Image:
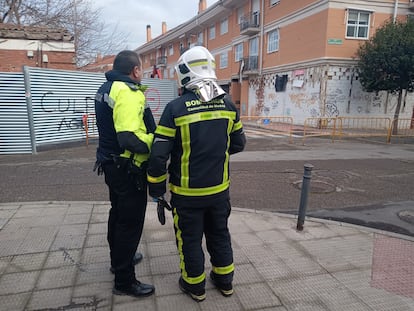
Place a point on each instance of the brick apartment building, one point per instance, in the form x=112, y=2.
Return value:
x=101, y=64
x=284, y=57
x=35, y=47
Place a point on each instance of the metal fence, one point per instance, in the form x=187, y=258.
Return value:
x=402, y=128
x=341, y=127
x=44, y=106
x=319, y=127
x=276, y=124
x=333, y=127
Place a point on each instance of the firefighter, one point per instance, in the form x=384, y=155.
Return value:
x=126, y=125
x=197, y=133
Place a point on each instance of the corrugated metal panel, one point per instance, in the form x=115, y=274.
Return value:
x=159, y=93
x=59, y=99
x=54, y=106
x=14, y=125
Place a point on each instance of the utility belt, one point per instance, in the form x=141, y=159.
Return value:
x=137, y=175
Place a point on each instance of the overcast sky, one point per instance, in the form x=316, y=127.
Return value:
x=132, y=16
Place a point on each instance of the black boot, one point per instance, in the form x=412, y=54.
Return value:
x=136, y=289
x=225, y=289
x=198, y=296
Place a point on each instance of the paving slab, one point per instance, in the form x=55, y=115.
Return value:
x=54, y=256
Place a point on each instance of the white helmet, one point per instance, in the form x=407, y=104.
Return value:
x=195, y=64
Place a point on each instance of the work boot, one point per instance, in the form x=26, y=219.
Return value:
x=226, y=289
x=185, y=288
x=136, y=260
x=136, y=289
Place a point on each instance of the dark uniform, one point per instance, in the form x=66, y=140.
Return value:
x=126, y=129
x=199, y=138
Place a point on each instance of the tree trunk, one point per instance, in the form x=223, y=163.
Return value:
x=397, y=113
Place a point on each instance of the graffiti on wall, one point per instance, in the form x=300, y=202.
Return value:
x=287, y=99
x=321, y=91
x=70, y=110
x=272, y=100
x=260, y=97
x=69, y=113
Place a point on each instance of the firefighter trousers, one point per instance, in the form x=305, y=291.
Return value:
x=125, y=222
x=190, y=224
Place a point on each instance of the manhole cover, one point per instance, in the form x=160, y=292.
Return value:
x=407, y=216
x=317, y=186
x=337, y=175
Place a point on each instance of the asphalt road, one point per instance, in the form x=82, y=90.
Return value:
x=367, y=183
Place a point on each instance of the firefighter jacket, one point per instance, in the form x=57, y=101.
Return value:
x=125, y=123
x=198, y=138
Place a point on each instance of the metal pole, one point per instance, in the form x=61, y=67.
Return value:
x=307, y=175
x=29, y=106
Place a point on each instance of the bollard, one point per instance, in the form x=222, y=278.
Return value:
x=307, y=175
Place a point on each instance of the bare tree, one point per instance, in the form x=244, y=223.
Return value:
x=91, y=35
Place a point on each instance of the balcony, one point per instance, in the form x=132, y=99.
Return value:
x=251, y=65
x=250, y=24
x=162, y=61
x=411, y=5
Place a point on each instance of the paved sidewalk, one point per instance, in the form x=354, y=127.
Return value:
x=54, y=256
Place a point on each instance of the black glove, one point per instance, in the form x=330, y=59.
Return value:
x=162, y=204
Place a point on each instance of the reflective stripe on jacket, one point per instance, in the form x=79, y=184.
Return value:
x=119, y=107
x=200, y=138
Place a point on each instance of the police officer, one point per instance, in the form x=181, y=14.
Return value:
x=126, y=125
x=197, y=132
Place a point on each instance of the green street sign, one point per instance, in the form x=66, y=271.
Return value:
x=335, y=41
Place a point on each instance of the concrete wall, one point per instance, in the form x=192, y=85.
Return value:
x=321, y=92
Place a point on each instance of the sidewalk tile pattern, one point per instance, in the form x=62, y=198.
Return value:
x=393, y=265
x=54, y=256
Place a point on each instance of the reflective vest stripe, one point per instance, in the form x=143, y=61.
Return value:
x=223, y=270
x=199, y=191
x=158, y=179
x=189, y=280
x=165, y=131
x=203, y=116
x=185, y=158
x=184, y=124
x=237, y=126
x=226, y=161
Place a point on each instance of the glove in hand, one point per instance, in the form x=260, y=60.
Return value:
x=162, y=204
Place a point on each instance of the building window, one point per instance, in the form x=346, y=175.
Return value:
x=254, y=47
x=357, y=24
x=212, y=32
x=274, y=2
x=240, y=13
x=224, y=26
x=273, y=41
x=172, y=71
x=223, y=60
x=238, y=52
x=200, y=38
x=170, y=49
